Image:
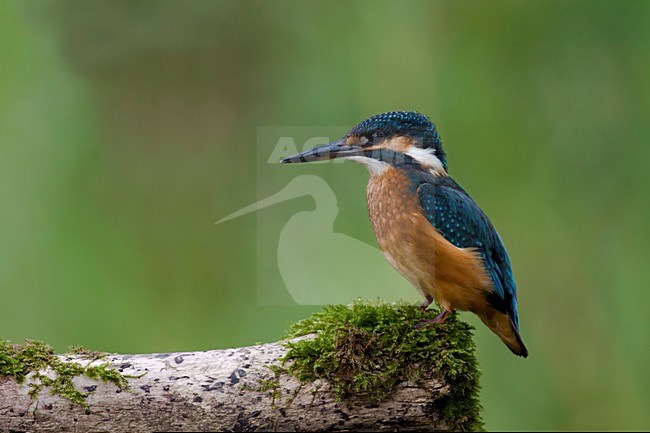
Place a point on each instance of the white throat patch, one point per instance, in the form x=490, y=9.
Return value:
x=374, y=166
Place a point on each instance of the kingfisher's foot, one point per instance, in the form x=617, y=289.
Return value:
x=425, y=304
x=440, y=318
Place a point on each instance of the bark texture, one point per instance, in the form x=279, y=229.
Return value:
x=231, y=390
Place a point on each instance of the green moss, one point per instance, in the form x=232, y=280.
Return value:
x=107, y=374
x=369, y=348
x=92, y=355
x=36, y=363
x=268, y=385
x=271, y=386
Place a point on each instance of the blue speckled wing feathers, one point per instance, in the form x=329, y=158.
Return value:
x=460, y=220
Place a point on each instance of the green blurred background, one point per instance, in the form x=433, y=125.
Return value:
x=128, y=128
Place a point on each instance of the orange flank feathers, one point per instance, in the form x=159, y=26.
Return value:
x=455, y=277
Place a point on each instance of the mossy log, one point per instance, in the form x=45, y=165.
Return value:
x=358, y=368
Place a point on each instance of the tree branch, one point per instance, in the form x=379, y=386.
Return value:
x=258, y=388
x=234, y=390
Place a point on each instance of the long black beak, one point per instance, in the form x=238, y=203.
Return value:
x=337, y=149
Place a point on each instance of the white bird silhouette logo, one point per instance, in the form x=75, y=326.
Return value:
x=319, y=266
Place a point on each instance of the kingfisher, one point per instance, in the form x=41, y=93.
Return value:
x=427, y=226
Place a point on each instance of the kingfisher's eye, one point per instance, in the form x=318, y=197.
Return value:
x=377, y=135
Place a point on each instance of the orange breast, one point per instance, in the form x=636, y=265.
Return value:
x=455, y=277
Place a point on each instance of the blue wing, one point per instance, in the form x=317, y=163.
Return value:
x=459, y=219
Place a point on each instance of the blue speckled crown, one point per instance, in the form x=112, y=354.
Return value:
x=410, y=123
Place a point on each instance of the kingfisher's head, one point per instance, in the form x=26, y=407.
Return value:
x=389, y=139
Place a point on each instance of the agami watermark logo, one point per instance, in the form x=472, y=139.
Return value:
x=306, y=262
